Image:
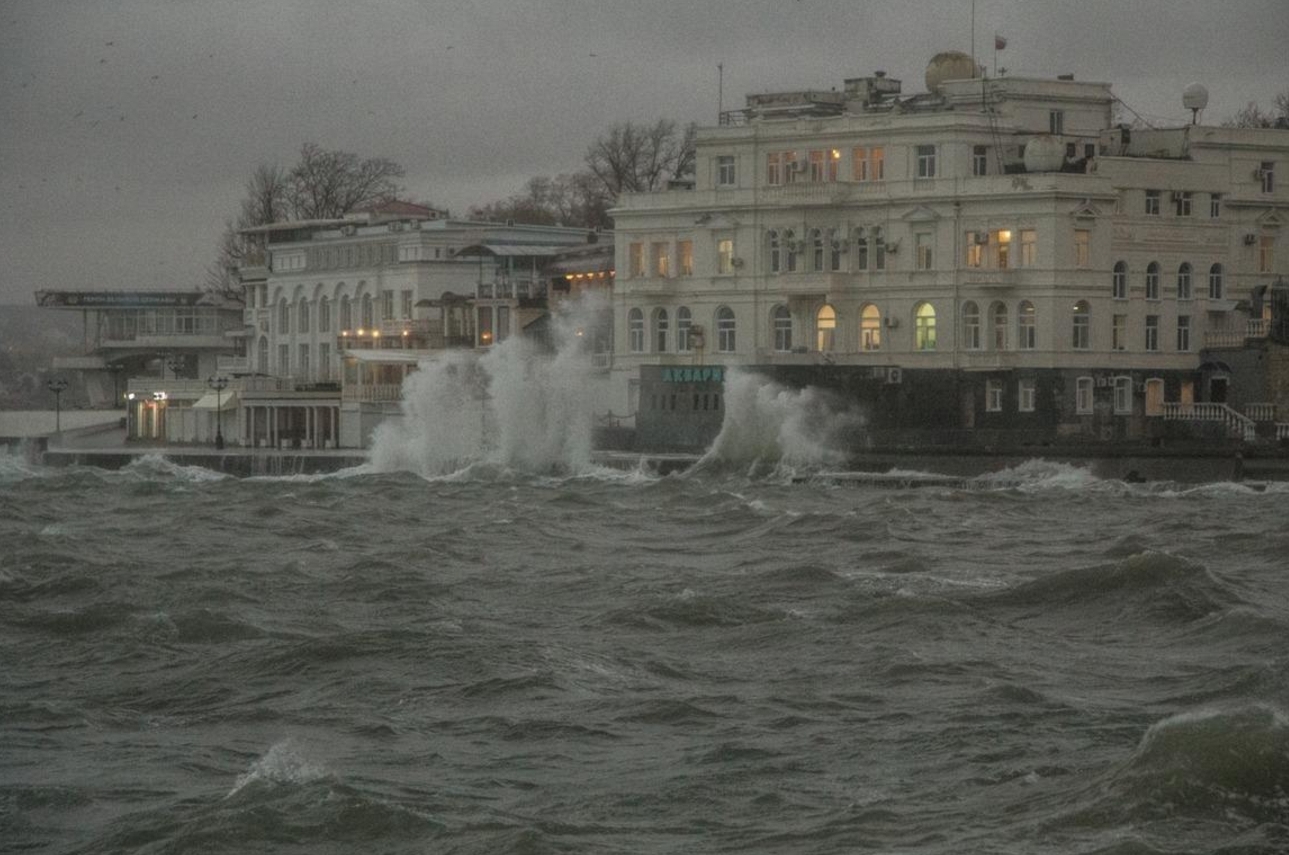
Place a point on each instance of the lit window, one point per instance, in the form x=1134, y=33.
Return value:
x=1002, y=243
x=825, y=329
x=635, y=260
x=725, y=256
x=870, y=328
x=976, y=243
x=1082, y=327
x=867, y=164
x=685, y=249
x=660, y=260
x=924, y=326
x=993, y=396
x=782, y=329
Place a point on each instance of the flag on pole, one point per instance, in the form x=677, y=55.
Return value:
x=999, y=42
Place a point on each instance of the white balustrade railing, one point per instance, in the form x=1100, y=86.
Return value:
x=1238, y=425
x=1261, y=412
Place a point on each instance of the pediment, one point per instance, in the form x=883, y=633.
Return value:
x=1271, y=220
x=1085, y=210
x=920, y=214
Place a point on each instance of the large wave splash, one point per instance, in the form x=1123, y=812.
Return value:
x=515, y=407
x=767, y=424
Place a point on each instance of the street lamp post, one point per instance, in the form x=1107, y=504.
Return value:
x=218, y=384
x=57, y=386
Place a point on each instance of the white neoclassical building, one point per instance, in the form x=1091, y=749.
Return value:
x=993, y=257
x=339, y=311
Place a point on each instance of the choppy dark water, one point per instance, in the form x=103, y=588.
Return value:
x=497, y=663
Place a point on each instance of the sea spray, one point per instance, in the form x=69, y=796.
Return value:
x=518, y=406
x=766, y=423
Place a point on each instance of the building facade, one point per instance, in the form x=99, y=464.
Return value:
x=992, y=258
x=339, y=311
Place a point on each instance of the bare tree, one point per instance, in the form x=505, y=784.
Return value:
x=634, y=158
x=571, y=199
x=1253, y=116
x=266, y=201
x=326, y=184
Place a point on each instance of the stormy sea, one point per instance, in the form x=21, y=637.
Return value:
x=495, y=650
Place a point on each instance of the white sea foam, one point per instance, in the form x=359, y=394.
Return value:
x=513, y=408
x=283, y=764
x=778, y=432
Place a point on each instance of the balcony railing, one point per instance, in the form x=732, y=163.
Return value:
x=373, y=393
x=1261, y=412
x=233, y=364
x=1238, y=425
x=1255, y=328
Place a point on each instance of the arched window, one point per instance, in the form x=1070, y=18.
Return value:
x=1026, y=318
x=970, y=325
x=825, y=328
x=790, y=251
x=283, y=317
x=861, y=249
x=684, y=320
x=879, y=248
x=781, y=319
x=1119, y=280
x=660, y=330
x=1152, y=281
x=725, y=330
x=924, y=326
x=816, y=249
x=262, y=356
x=324, y=315
x=368, y=315
x=635, y=331
x=1082, y=326
x=346, y=313
x=870, y=328
x=998, y=314
x=304, y=316
x=1184, y=281
x=776, y=250
x=1215, y=289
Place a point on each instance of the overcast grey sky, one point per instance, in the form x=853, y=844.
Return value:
x=128, y=127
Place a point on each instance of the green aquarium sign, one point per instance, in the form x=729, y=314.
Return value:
x=705, y=374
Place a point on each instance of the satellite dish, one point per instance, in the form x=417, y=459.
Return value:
x=1195, y=98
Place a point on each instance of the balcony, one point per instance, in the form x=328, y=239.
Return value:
x=376, y=393
x=1236, y=337
x=233, y=364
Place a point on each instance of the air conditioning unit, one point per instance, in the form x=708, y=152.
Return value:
x=736, y=263
x=893, y=248
x=894, y=375
x=801, y=164
x=349, y=230
x=1176, y=196
x=981, y=238
x=891, y=322
x=840, y=245
x=1250, y=239
x=1259, y=173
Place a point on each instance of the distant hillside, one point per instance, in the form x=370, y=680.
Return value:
x=30, y=338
